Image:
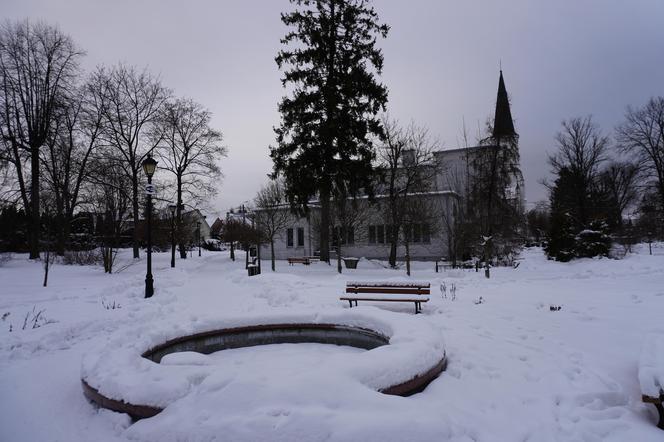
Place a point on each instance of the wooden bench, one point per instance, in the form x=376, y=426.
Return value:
x=416, y=292
x=299, y=260
x=651, y=373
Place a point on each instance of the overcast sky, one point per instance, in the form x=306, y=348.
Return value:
x=560, y=59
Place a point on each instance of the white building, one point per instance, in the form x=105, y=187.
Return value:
x=428, y=235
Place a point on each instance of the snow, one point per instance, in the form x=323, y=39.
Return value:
x=517, y=371
x=651, y=366
x=397, y=283
x=118, y=371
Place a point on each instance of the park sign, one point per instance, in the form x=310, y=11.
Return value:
x=150, y=189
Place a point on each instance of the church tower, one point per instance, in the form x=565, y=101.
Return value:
x=505, y=136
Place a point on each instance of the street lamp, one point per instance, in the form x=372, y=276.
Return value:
x=172, y=208
x=149, y=166
x=198, y=234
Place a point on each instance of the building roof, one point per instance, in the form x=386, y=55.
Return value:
x=503, y=125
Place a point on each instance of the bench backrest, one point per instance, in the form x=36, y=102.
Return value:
x=400, y=289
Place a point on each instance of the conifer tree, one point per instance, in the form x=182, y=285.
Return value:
x=329, y=120
x=495, y=205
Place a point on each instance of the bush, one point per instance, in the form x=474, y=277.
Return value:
x=564, y=245
x=5, y=258
x=561, y=240
x=593, y=242
x=82, y=257
x=213, y=245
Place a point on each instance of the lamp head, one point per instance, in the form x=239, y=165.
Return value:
x=149, y=166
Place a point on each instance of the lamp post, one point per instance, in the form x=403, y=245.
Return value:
x=172, y=208
x=149, y=166
x=198, y=234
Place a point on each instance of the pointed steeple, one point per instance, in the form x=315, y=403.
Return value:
x=503, y=126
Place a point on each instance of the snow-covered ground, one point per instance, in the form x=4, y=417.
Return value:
x=517, y=371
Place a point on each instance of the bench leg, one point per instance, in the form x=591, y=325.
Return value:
x=417, y=307
x=356, y=303
x=660, y=412
x=351, y=303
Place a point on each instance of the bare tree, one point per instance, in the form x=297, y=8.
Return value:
x=494, y=205
x=272, y=214
x=349, y=217
x=619, y=181
x=192, y=151
x=421, y=221
x=38, y=66
x=233, y=234
x=642, y=135
x=132, y=103
x=65, y=160
x=407, y=164
x=582, y=148
x=537, y=220
x=108, y=196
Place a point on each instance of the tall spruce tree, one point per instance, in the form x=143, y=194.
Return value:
x=329, y=121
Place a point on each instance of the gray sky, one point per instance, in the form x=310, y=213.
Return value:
x=560, y=58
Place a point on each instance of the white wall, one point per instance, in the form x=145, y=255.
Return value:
x=435, y=249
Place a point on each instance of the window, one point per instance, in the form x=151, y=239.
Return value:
x=300, y=236
x=388, y=232
x=335, y=236
x=289, y=238
x=426, y=233
x=380, y=234
x=417, y=232
x=408, y=232
x=346, y=235
x=372, y=234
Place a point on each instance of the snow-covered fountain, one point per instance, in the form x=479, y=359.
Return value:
x=130, y=375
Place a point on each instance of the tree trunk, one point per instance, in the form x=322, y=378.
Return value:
x=35, y=224
x=407, y=259
x=325, y=225
x=179, y=230
x=258, y=256
x=272, y=254
x=135, y=212
x=394, y=241
x=338, y=236
x=394, y=234
x=61, y=234
x=233, y=251
x=48, y=257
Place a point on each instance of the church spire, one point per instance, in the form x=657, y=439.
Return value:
x=503, y=126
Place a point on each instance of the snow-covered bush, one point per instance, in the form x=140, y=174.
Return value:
x=5, y=258
x=592, y=242
x=564, y=244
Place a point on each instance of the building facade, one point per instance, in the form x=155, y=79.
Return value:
x=427, y=234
